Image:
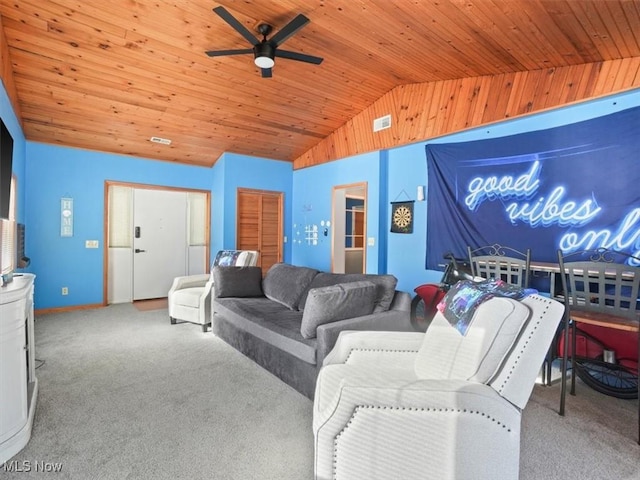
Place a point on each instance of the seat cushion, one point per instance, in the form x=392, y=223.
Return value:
x=336, y=302
x=269, y=321
x=476, y=356
x=188, y=297
x=285, y=283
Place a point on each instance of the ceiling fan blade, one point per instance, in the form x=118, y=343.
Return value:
x=221, y=53
x=289, y=29
x=266, y=73
x=301, y=57
x=231, y=20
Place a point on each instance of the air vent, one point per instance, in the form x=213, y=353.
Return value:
x=163, y=141
x=382, y=123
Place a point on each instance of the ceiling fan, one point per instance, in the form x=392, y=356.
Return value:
x=264, y=51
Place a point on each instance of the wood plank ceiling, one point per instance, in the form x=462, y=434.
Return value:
x=109, y=75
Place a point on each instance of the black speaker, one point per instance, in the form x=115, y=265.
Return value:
x=23, y=261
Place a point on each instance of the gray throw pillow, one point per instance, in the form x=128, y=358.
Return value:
x=336, y=302
x=237, y=282
x=385, y=285
x=285, y=283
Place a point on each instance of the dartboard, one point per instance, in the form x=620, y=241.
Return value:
x=402, y=217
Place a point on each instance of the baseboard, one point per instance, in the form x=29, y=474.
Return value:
x=91, y=306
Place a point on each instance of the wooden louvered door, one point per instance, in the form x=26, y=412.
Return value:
x=260, y=225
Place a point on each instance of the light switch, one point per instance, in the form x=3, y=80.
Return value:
x=285, y=239
x=371, y=241
x=91, y=244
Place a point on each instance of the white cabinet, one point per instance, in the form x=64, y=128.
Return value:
x=13, y=375
x=18, y=383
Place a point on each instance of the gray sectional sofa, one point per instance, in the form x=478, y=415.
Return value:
x=290, y=320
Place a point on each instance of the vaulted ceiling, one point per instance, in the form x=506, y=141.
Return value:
x=109, y=75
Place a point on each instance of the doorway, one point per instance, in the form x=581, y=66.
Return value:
x=152, y=235
x=349, y=233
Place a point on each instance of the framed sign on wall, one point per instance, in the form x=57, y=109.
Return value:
x=66, y=217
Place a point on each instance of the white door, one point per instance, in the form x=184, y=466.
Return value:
x=159, y=241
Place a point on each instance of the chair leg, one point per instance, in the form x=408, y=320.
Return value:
x=548, y=364
x=565, y=361
x=573, y=359
x=172, y=320
x=552, y=355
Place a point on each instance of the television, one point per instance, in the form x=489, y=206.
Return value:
x=6, y=169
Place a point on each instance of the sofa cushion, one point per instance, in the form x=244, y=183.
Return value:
x=337, y=302
x=237, y=281
x=188, y=297
x=385, y=286
x=476, y=356
x=285, y=283
x=269, y=321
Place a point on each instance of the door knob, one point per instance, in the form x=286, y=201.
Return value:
x=138, y=250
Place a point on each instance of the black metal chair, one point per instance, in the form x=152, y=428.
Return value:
x=600, y=287
x=500, y=262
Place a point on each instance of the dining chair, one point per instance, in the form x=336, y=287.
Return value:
x=599, y=287
x=501, y=262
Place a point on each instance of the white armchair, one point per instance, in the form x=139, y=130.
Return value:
x=190, y=296
x=435, y=405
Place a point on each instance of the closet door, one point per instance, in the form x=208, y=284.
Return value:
x=260, y=225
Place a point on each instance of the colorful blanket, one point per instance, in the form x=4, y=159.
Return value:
x=227, y=258
x=462, y=300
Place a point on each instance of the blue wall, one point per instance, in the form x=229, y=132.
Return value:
x=312, y=192
x=242, y=171
x=408, y=169
x=218, y=208
x=54, y=172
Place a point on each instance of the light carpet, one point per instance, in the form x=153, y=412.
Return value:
x=126, y=395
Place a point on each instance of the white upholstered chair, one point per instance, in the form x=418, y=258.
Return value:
x=190, y=296
x=435, y=405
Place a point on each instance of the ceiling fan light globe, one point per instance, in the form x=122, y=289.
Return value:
x=264, y=62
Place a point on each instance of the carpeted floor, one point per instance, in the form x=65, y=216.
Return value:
x=126, y=395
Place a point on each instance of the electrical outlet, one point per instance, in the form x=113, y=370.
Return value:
x=91, y=244
x=65, y=291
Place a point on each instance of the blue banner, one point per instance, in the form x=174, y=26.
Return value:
x=572, y=188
